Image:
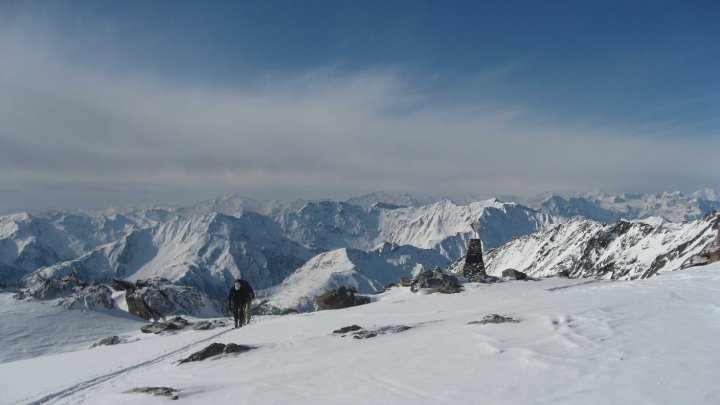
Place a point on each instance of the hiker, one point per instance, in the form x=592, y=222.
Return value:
x=239, y=300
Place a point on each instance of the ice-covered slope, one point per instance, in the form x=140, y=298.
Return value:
x=606, y=207
x=624, y=250
x=621, y=342
x=368, y=272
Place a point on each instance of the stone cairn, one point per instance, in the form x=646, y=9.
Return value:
x=474, y=268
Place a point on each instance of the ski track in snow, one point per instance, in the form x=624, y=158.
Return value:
x=643, y=341
x=84, y=385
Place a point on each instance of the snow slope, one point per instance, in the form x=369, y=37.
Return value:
x=30, y=328
x=578, y=341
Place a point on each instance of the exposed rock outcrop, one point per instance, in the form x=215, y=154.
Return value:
x=343, y=297
x=108, y=341
x=171, y=393
x=202, y=325
x=514, y=274
x=710, y=254
x=48, y=288
x=95, y=296
x=70, y=289
x=347, y=329
x=159, y=327
x=215, y=349
x=494, y=318
x=359, y=333
x=157, y=298
x=435, y=282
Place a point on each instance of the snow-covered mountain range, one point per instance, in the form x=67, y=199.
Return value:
x=606, y=207
x=291, y=251
x=623, y=250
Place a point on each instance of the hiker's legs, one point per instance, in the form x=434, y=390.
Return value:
x=241, y=315
x=237, y=315
x=246, y=312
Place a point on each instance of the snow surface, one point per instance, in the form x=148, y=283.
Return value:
x=578, y=341
x=35, y=328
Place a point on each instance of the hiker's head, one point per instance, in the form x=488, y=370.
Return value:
x=238, y=285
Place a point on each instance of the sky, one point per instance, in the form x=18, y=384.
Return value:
x=114, y=104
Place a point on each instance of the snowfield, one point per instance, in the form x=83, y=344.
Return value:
x=578, y=341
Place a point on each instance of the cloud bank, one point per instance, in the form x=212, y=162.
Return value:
x=81, y=133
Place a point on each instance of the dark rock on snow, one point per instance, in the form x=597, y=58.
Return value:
x=494, y=318
x=159, y=391
x=485, y=279
x=158, y=327
x=351, y=328
x=158, y=297
x=233, y=348
x=202, y=325
x=108, y=341
x=364, y=334
x=48, y=288
x=73, y=292
x=360, y=333
x=435, y=281
x=343, y=297
x=94, y=296
x=514, y=274
x=214, y=349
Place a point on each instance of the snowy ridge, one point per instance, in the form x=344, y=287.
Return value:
x=624, y=250
x=368, y=272
x=207, y=252
x=606, y=207
x=444, y=226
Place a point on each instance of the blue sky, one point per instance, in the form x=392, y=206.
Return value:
x=538, y=96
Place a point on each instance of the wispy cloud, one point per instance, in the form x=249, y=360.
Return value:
x=76, y=132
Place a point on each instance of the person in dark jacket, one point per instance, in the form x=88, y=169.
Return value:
x=239, y=300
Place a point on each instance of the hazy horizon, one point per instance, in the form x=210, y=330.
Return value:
x=133, y=103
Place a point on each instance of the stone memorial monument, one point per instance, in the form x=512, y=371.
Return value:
x=474, y=265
